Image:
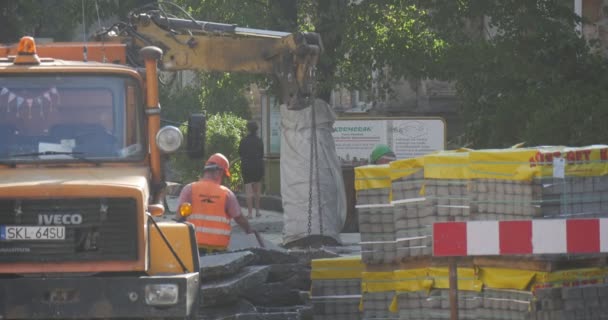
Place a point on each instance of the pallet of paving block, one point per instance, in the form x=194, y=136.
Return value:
x=545, y=263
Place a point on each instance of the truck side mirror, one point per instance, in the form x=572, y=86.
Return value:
x=197, y=131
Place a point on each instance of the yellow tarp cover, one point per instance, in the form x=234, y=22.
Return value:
x=447, y=165
x=475, y=279
x=372, y=177
x=530, y=163
x=377, y=281
x=405, y=167
x=572, y=277
x=498, y=278
x=337, y=268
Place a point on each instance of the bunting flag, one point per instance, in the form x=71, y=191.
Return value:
x=31, y=102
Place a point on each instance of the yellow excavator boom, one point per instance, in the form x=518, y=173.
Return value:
x=190, y=44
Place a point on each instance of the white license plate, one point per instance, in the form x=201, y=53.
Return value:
x=17, y=233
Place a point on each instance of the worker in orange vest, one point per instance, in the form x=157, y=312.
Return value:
x=213, y=205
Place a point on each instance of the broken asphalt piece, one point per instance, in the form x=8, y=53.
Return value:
x=228, y=311
x=224, y=264
x=268, y=256
x=226, y=291
x=272, y=295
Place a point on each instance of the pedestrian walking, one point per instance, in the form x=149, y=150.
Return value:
x=251, y=152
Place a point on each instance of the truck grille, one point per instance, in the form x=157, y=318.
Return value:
x=95, y=229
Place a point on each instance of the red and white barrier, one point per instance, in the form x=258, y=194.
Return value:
x=483, y=238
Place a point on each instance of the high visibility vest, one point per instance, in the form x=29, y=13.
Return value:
x=211, y=222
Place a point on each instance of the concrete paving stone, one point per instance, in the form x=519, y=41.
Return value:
x=225, y=291
x=275, y=294
x=548, y=293
x=592, y=302
x=589, y=292
x=573, y=304
x=602, y=291
x=224, y=264
x=569, y=293
x=551, y=304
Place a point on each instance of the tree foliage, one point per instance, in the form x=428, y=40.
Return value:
x=58, y=19
x=521, y=71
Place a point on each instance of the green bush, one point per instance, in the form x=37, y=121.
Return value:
x=224, y=132
x=225, y=128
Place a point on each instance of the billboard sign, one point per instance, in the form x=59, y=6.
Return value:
x=408, y=137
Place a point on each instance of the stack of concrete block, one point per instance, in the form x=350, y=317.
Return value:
x=488, y=305
x=377, y=228
x=414, y=229
x=584, y=197
x=336, y=288
x=529, y=184
x=505, y=304
x=446, y=186
x=413, y=218
x=569, y=197
x=448, y=199
x=376, y=305
x=571, y=303
x=373, y=196
x=408, y=187
x=498, y=199
x=337, y=307
x=375, y=214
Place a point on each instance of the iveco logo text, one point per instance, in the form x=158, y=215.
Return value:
x=49, y=219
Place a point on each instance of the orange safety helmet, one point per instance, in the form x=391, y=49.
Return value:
x=218, y=160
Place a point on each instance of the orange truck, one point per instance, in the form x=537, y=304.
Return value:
x=81, y=183
x=80, y=147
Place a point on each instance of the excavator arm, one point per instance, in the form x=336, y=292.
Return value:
x=189, y=44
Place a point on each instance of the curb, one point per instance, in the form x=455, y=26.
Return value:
x=267, y=202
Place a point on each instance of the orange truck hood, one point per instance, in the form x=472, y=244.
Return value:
x=74, y=182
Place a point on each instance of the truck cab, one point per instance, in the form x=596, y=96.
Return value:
x=80, y=146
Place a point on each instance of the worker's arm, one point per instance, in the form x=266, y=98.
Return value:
x=244, y=224
x=234, y=211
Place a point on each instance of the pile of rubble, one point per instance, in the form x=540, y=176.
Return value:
x=257, y=283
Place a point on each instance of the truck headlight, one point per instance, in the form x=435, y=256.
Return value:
x=161, y=294
x=169, y=139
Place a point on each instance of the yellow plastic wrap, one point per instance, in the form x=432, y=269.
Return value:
x=337, y=268
x=406, y=167
x=413, y=280
x=467, y=279
x=377, y=282
x=447, y=165
x=572, y=277
x=530, y=163
x=497, y=278
x=372, y=177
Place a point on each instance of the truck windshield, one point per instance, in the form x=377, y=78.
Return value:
x=70, y=118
